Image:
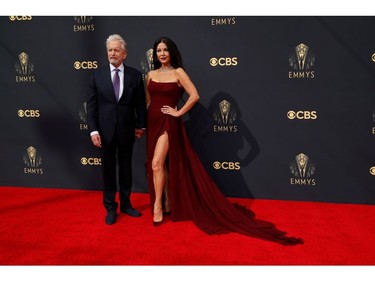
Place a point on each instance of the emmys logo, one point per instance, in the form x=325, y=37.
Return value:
x=20, y=18
x=83, y=117
x=226, y=165
x=92, y=161
x=223, y=21
x=302, y=169
x=372, y=170
x=24, y=67
x=227, y=61
x=225, y=116
x=33, y=161
x=301, y=61
x=83, y=24
x=85, y=65
x=302, y=115
x=147, y=63
x=28, y=113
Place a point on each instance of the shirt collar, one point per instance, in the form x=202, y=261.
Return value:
x=121, y=67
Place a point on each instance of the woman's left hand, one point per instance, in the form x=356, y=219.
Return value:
x=170, y=111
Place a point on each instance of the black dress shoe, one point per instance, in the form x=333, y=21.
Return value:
x=131, y=212
x=111, y=217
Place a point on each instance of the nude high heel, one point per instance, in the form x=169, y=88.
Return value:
x=158, y=210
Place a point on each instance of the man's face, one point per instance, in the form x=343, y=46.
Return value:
x=115, y=53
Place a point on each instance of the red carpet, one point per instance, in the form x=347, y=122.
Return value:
x=41, y=226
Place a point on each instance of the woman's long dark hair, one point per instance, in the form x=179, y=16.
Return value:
x=176, y=59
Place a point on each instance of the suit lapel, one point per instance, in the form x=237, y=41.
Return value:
x=127, y=80
x=108, y=81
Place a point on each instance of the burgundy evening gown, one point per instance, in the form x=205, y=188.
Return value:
x=193, y=194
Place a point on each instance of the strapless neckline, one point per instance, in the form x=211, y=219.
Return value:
x=175, y=82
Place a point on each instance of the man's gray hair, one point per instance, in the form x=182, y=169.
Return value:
x=116, y=37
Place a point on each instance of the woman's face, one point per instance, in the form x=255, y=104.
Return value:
x=162, y=54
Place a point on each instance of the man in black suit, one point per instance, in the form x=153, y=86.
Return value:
x=116, y=115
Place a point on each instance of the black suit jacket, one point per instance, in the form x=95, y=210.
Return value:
x=106, y=115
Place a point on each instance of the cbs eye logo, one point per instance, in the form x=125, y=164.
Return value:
x=28, y=113
x=85, y=65
x=14, y=18
x=372, y=170
x=91, y=161
x=302, y=115
x=223, y=61
x=226, y=165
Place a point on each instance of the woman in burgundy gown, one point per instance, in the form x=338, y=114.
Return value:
x=179, y=185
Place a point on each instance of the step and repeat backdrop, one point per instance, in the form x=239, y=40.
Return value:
x=287, y=108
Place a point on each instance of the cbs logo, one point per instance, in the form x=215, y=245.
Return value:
x=28, y=113
x=91, y=161
x=86, y=65
x=13, y=18
x=226, y=165
x=302, y=115
x=372, y=170
x=223, y=61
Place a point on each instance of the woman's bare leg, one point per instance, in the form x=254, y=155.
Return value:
x=158, y=162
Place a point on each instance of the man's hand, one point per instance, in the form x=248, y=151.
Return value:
x=139, y=133
x=96, y=140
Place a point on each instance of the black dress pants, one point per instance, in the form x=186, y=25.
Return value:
x=117, y=172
